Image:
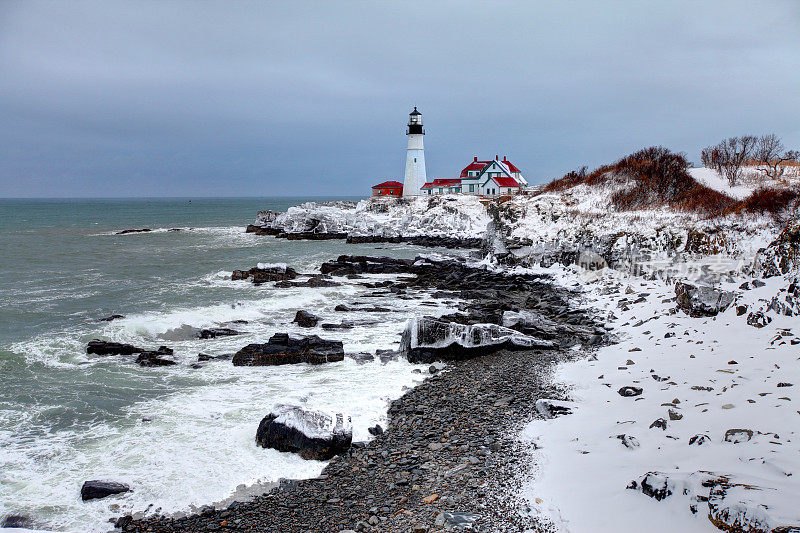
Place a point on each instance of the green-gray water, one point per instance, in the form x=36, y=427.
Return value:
x=180, y=436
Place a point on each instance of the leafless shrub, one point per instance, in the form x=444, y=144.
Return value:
x=729, y=156
x=770, y=154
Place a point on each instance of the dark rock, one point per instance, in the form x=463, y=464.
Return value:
x=264, y=275
x=304, y=319
x=341, y=308
x=552, y=408
x=330, y=326
x=629, y=441
x=16, y=521
x=155, y=358
x=112, y=317
x=699, y=440
x=205, y=357
x=377, y=430
x=361, y=358
x=284, y=350
x=659, y=423
x=736, y=436
x=740, y=310
x=654, y=484
x=758, y=319
x=92, y=490
x=702, y=300
x=100, y=347
x=123, y=521
x=312, y=434
x=630, y=391
x=126, y=231
x=212, y=333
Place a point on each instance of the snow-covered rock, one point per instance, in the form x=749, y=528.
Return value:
x=428, y=339
x=454, y=216
x=312, y=434
x=730, y=502
x=702, y=300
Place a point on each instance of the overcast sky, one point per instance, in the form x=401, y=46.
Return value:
x=295, y=98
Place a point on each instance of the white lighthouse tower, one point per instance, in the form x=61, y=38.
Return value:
x=415, y=176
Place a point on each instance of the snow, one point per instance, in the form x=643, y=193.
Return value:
x=460, y=216
x=714, y=180
x=427, y=332
x=313, y=424
x=725, y=375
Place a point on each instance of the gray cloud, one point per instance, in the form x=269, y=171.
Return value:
x=145, y=98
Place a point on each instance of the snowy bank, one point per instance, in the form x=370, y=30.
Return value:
x=687, y=424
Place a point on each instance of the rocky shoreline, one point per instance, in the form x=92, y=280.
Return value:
x=447, y=456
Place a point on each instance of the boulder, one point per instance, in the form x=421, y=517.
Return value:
x=212, y=333
x=304, y=319
x=16, y=521
x=702, y=300
x=553, y=408
x=282, y=349
x=100, y=347
x=156, y=358
x=428, y=339
x=126, y=231
x=630, y=391
x=736, y=436
x=312, y=434
x=265, y=272
x=112, y=317
x=92, y=490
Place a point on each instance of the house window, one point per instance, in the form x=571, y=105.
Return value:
x=471, y=188
x=441, y=191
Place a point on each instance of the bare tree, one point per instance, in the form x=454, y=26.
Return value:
x=728, y=156
x=770, y=155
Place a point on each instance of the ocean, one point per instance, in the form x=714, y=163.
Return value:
x=182, y=437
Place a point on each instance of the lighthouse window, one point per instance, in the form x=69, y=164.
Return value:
x=415, y=160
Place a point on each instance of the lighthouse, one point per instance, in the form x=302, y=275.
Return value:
x=415, y=156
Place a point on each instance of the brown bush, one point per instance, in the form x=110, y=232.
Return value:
x=659, y=178
x=766, y=200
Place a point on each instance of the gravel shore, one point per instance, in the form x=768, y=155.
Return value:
x=449, y=456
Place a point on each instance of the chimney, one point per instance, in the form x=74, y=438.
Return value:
x=475, y=160
x=496, y=157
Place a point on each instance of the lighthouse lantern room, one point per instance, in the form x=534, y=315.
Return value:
x=415, y=176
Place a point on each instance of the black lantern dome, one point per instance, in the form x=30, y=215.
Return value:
x=415, y=123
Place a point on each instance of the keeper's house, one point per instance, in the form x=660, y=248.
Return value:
x=388, y=188
x=484, y=178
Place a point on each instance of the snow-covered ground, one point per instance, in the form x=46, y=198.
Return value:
x=700, y=377
x=751, y=180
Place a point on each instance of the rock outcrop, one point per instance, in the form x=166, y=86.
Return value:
x=312, y=434
x=264, y=273
x=282, y=349
x=427, y=339
x=100, y=347
x=92, y=490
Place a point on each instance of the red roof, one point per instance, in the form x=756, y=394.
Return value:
x=479, y=165
x=442, y=183
x=388, y=185
x=510, y=165
x=505, y=181
x=475, y=165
